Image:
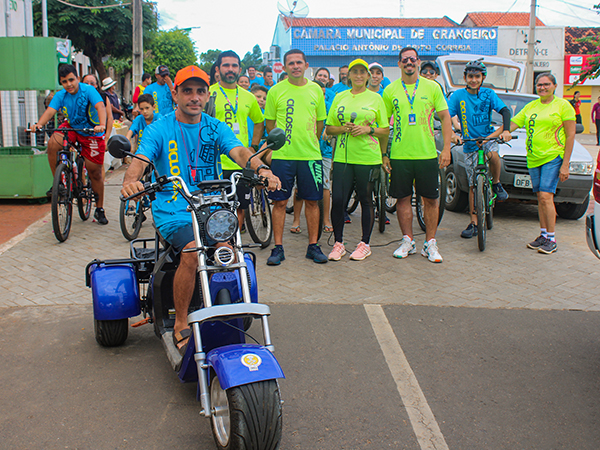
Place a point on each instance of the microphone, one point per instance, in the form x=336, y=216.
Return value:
x=352, y=117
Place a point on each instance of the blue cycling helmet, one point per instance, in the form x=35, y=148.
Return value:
x=476, y=66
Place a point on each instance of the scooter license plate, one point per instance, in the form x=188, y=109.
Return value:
x=522, y=181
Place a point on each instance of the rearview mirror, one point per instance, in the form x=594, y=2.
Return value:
x=578, y=128
x=119, y=146
x=276, y=139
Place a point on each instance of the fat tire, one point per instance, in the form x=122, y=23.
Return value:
x=481, y=211
x=63, y=183
x=111, y=333
x=455, y=200
x=85, y=196
x=258, y=217
x=572, y=211
x=255, y=415
x=130, y=232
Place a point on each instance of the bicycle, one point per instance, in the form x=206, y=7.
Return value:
x=131, y=212
x=258, y=217
x=484, y=197
x=71, y=182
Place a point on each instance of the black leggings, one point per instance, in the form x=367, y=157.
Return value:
x=345, y=178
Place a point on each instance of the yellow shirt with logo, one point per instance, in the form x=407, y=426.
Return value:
x=226, y=111
x=413, y=141
x=296, y=110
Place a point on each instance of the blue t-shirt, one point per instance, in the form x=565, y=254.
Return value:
x=385, y=82
x=326, y=150
x=163, y=100
x=474, y=112
x=339, y=87
x=257, y=80
x=139, y=125
x=189, y=151
x=329, y=95
x=79, y=108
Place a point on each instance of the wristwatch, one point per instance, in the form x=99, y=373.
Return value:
x=372, y=132
x=262, y=166
x=385, y=155
x=255, y=147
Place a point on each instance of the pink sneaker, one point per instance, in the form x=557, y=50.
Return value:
x=338, y=251
x=362, y=251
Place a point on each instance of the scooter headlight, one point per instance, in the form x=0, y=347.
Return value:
x=221, y=225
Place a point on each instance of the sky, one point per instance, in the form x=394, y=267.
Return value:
x=240, y=24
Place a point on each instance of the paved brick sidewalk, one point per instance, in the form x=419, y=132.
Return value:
x=40, y=271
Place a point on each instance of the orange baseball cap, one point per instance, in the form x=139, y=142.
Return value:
x=191, y=72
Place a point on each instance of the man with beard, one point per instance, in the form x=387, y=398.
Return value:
x=413, y=159
x=343, y=84
x=234, y=106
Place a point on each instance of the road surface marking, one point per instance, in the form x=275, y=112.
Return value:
x=425, y=426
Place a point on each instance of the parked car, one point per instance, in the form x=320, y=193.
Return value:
x=592, y=221
x=506, y=78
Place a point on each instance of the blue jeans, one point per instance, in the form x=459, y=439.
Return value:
x=544, y=178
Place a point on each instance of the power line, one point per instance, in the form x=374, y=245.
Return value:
x=507, y=11
x=563, y=13
x=577, y=6
x=92, y=7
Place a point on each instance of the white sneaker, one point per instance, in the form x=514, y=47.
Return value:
x=407, y=247
x=430, y=251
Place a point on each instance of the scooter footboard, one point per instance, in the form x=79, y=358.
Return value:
x=240, y=364
x=115, y=292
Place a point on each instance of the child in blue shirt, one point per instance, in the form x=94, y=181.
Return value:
x=147, y=117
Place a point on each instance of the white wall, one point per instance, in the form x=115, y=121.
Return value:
x=550, y=50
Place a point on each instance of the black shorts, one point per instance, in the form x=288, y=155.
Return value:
x=308, y=176
x=422, y=173
x=242, y=189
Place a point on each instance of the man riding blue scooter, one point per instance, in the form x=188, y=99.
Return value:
x=186, y=143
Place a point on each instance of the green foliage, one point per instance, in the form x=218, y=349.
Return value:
x=173, y=48
x=97, y=32
x=591, y=69
x=253, y=59
x=207, y=59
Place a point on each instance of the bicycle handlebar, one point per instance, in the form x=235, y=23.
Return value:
x=497, y=139
x=61, y=130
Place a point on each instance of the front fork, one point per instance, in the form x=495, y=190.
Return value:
x=200, y=355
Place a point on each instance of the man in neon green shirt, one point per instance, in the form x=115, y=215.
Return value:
x=297, y=106
x=234, y=106
x=412, y=102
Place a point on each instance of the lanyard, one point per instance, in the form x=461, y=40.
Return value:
x=227, y=98
x=410, y=100
x=187, y=153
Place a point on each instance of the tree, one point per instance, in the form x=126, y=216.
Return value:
x=591, y=69
x=96, y=32
x=207, y=59
x=173, y=48
x=253, y=59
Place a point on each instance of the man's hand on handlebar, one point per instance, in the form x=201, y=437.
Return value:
x=132, y=189
x=456, y=139
x=272, y=182
x=99, y=129
x=505, y=136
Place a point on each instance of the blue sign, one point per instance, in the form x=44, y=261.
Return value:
x=389, y=41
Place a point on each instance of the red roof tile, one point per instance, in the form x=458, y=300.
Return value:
x=370, y=22
x=499, y=19
x=579, y=48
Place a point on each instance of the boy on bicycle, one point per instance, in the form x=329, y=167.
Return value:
x=473, y=106
x=82, y=107
x=147, y=116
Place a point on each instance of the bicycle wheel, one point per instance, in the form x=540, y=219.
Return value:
x=85, y=195
x=480, y=206
x=390, y=202
x=380, y=198
x=62, y=204
x=258, y=218
x=130, y=219
x=353, y=203
x=490, y=202
x=418, y=202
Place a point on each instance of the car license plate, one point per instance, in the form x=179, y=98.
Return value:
x=522, y=181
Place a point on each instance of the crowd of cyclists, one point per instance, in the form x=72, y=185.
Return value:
x=338, y=136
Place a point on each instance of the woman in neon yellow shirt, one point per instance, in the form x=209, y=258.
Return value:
x=359, y=118
x=550, y=125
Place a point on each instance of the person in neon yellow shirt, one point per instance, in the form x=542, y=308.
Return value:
x=234, y=106
x=297, y=106
x=412, y=101
x=359, y=118
x=550, y=125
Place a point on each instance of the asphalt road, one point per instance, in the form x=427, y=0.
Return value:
x=494, y=379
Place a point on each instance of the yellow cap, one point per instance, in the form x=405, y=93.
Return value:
x=359, y=62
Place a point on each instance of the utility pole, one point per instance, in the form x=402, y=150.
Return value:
x=531, y=47
x=138, y=43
